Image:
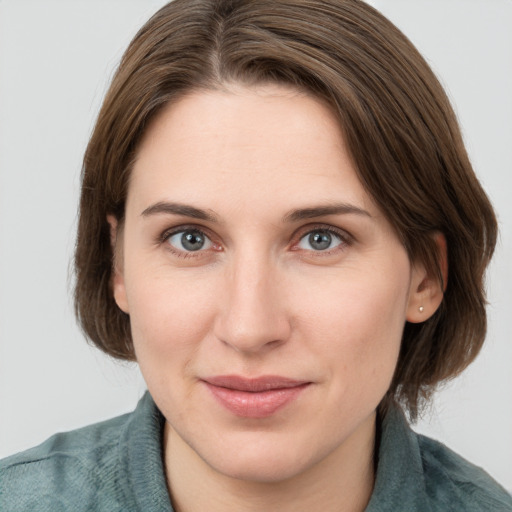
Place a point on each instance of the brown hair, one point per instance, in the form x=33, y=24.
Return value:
x=399, y=127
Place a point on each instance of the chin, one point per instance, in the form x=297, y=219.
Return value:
x=271, y=469
x=264, y=457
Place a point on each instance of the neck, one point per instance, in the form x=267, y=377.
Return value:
x=341, y=482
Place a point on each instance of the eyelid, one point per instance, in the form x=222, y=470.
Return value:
x=346, y=238
x=167, y=233
x=164, y=237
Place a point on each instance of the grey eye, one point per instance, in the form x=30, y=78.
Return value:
x=320, y=240
x=190, y=240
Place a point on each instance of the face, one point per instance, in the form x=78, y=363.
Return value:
x=267, y=293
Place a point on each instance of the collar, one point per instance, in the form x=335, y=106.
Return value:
x=141, y=468
x=399, y=482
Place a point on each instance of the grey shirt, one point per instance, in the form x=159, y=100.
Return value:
x=117, y=465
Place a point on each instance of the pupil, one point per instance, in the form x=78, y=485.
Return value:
x=320, y=240
x=192, y=240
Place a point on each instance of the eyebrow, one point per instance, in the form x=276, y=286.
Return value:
x=179, y=209
x=324, y=210
x=163, y=207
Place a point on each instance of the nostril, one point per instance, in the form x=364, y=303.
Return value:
x=251, y=345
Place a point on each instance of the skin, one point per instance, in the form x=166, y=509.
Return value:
x=260, y=299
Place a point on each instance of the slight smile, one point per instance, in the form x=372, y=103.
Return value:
x=254, y=397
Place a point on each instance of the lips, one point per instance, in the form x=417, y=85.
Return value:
x=254, y=398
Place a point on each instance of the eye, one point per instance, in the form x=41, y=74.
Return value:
x=320, y=240
x=189, y=240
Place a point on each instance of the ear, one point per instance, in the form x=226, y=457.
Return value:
x=117, y=277
x=426, y=291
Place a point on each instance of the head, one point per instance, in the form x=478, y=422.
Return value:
x=398, y=129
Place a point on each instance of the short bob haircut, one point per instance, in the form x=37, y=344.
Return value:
x=398, y=124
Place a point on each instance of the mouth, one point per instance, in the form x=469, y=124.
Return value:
x=254, y=397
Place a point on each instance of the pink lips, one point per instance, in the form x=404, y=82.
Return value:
x=254, y=398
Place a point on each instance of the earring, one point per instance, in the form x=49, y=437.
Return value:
x=421, y=309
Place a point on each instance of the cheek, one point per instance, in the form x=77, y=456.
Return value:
x=356, y=322
x=168, y=315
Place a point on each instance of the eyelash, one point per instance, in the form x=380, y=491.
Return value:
x=345, y=239
x=166, y=235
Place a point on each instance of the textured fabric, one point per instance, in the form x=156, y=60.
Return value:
x=417, y=474
x=117, y=466
x=111, y=466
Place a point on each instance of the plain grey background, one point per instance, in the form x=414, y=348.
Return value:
x=56, y=58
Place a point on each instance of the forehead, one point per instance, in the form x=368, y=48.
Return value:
x=272, y=145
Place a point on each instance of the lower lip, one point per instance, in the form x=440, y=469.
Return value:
x=255, y=404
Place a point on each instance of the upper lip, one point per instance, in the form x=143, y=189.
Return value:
x=254, y=384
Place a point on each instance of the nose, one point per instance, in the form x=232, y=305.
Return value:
x=252, y=315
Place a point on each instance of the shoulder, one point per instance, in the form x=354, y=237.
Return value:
x=69, y=471
x=454, y=484
x=418, y=474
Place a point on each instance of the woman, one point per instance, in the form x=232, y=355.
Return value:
x=280, y=224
